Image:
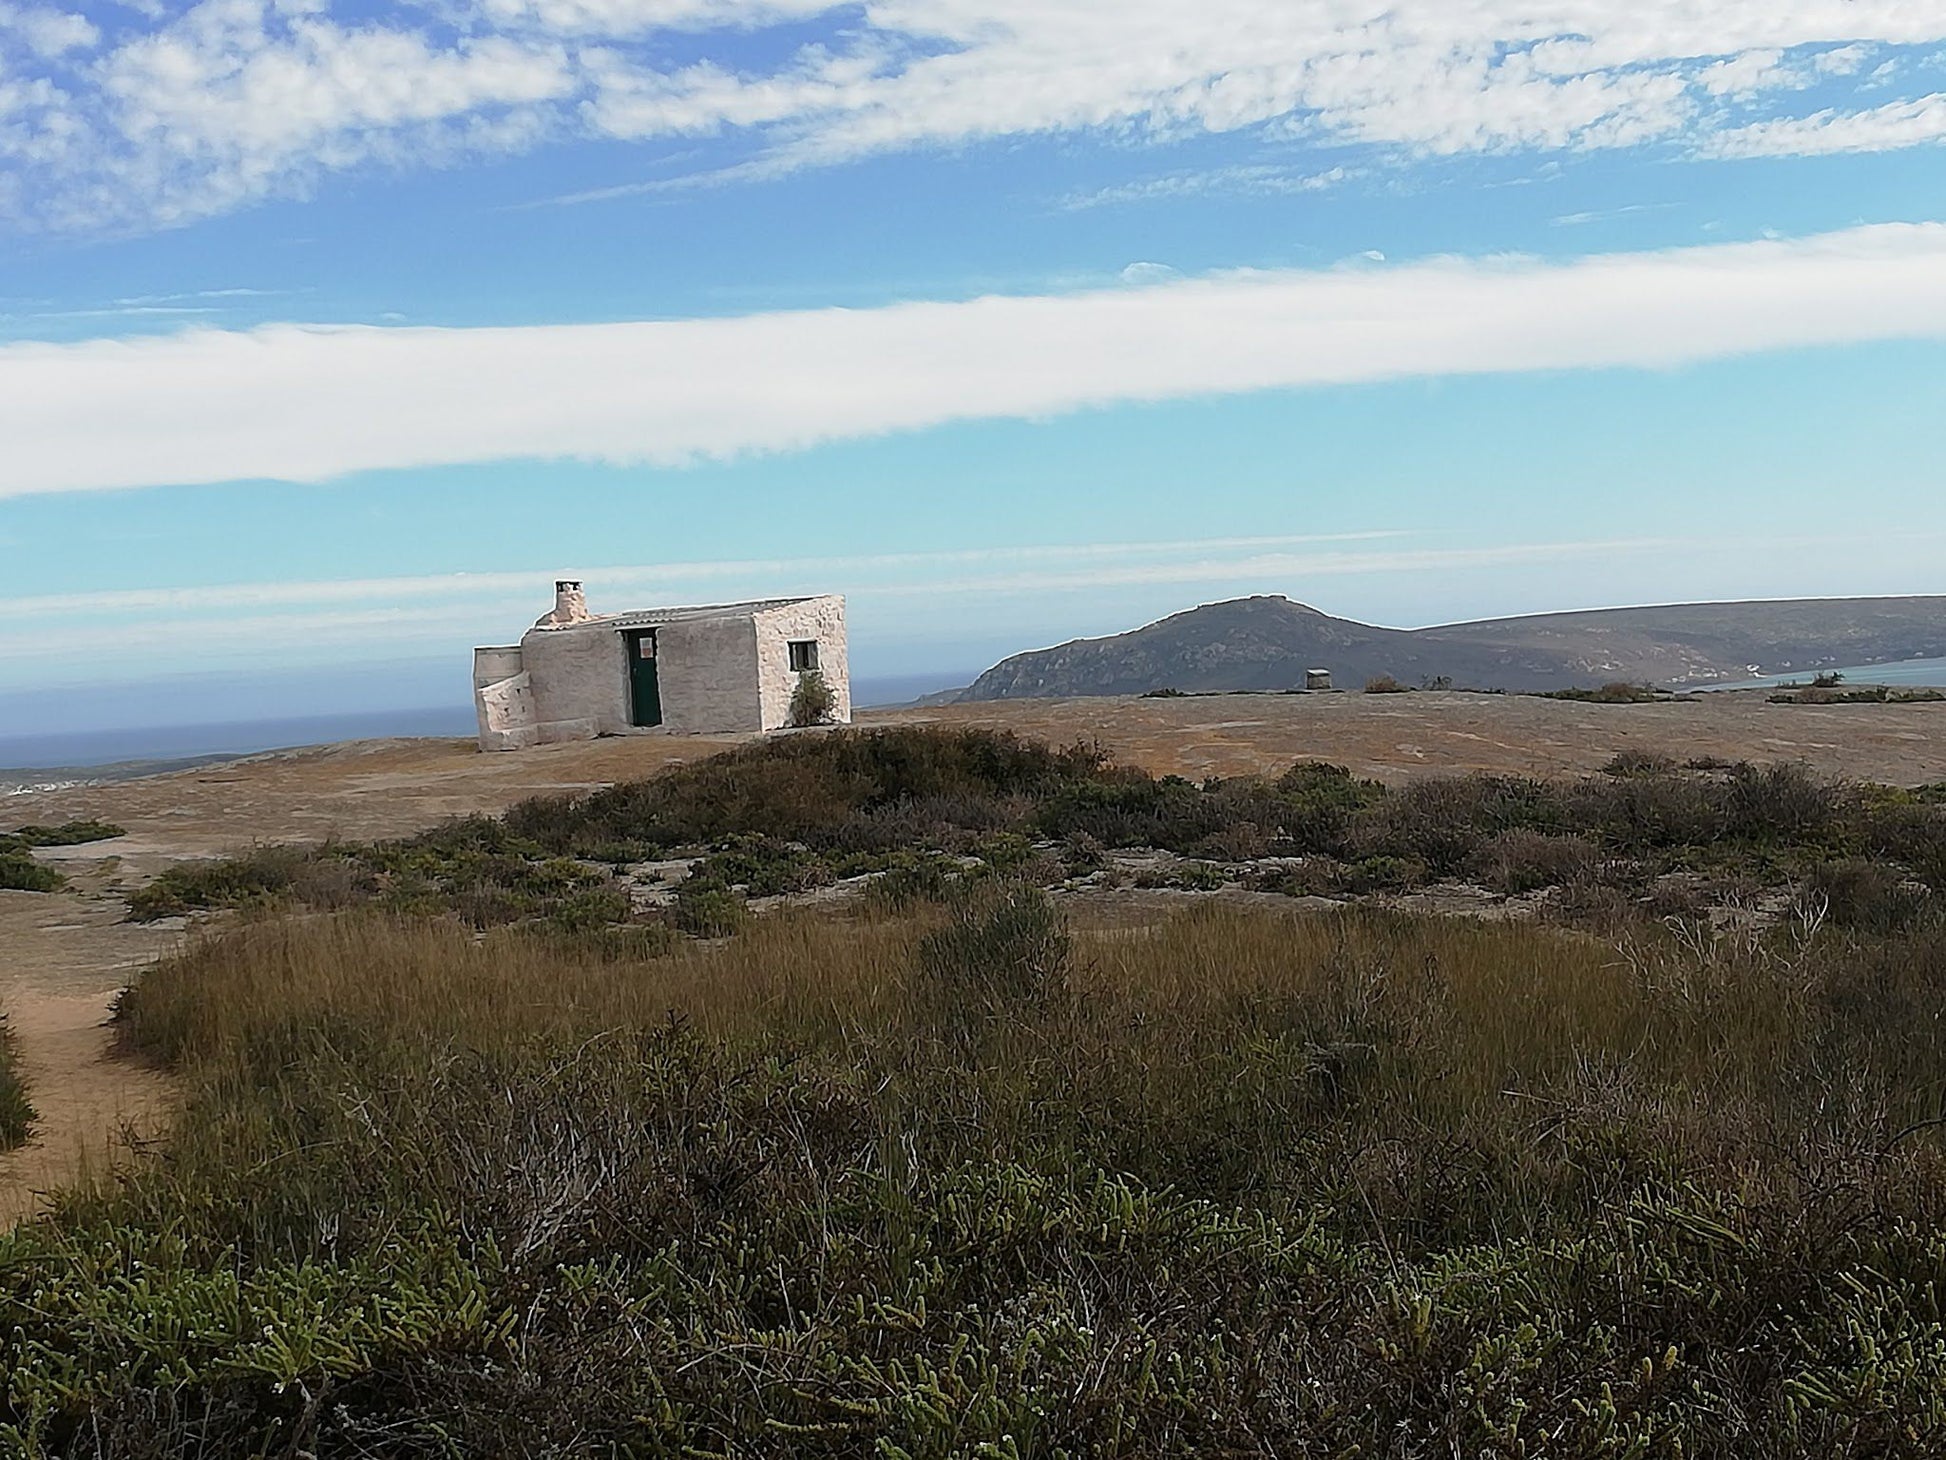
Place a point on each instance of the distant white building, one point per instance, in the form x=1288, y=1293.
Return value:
x=726, y=667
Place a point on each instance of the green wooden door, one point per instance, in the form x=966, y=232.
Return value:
x=644, y=690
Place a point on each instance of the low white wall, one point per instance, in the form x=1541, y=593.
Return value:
x=503, y=700
x=579, y=674
x=495, y=664
x=822, y=619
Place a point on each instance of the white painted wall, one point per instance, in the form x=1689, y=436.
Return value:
x=503, y=700
x=707, y=668
x=822, y=619
x=580, y=678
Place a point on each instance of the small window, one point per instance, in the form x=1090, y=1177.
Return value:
x=645, y=646
x=804, y=655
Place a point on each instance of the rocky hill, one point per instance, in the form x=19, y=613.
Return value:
x=1267, y=643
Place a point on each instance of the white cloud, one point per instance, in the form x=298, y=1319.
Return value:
x=1895, y=125
x=535, y=585
x=891, y=588
x=1261, y=179
x=233, y=100
x=304, y=403
x=1741, y=75
x=1144, y=271
x=49, y=33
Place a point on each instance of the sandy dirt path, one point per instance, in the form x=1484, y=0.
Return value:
x=64, y=956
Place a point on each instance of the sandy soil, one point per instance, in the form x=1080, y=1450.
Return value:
x=1397, y=737
x=64, y=956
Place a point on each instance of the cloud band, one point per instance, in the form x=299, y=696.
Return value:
x=308, y=403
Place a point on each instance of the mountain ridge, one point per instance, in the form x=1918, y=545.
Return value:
x=1268, y=641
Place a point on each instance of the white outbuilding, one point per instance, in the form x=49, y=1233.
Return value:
x=724, y=667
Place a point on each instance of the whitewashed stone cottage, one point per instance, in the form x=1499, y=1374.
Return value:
x=725, y=667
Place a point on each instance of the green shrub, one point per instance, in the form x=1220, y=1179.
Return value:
x=1317, y=804
x=254, y=877
x=707, y=907
x=1005, y=951
x=1187, y=877
x=813, y=701
x=1439, y=822
x=916, y=880
x=17, y=1113
x=19, y=872
x=823, y=790
x=765, y=867
x=1616, y=692
x=67, y=834
x=1627, y=763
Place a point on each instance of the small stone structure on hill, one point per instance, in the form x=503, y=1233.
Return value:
x=723, y=667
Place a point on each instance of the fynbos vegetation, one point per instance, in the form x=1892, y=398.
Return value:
x=935, y=808
x=961, y=1168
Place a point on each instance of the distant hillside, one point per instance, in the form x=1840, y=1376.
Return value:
x=1267, y=643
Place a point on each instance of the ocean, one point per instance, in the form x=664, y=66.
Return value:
x=29, y=762
x=32, y=762
x=1913, y=673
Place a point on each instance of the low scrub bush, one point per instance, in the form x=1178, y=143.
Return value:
x=19, y=872
x=1616, y=692
x=1827, y=694
x=1858, y=893
x=916, y=880
x=1385, y=684
x=67, y=834
x=1003, y=952
x=1441, y=821
x=708, y=907
x=16, y=1110
x=255, y=877
x=1187, y=877
x=813, y=789
x=1520, y=861
x=784, y=817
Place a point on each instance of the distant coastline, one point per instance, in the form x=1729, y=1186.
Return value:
x=1917, y=673
x=44, y=761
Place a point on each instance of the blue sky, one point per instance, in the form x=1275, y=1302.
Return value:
x=330, y=334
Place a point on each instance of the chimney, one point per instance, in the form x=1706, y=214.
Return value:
x=570, y=606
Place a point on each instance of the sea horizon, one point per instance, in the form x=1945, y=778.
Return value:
x=144, y=746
